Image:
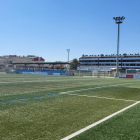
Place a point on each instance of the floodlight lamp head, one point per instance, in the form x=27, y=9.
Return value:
x=119, y=19
x=123, y=17
x=68, y=50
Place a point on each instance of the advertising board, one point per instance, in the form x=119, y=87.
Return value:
x=56, y=73
x=122, y=75
x=136, y=77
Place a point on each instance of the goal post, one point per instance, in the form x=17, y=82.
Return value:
x=95, y=73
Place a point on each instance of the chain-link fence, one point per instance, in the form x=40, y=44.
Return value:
x=96, y=73
x=81, y=73
x=130, y=71
x=93, y=73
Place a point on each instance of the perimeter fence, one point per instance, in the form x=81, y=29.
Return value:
x=130, y=71
x=93, y=73
x=96, y=73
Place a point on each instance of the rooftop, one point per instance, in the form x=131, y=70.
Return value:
x=111, y=55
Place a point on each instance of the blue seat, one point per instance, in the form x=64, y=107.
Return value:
x=22, y=70
x=54, y=71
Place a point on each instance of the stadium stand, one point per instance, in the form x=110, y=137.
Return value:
x=54, y=71
x=22, y=70
x=40, y=72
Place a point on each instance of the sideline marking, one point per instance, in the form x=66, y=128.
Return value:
x=28, y=97
x=98, y=122
x=104, y=98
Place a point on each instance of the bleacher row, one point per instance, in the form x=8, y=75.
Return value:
x=130, y=71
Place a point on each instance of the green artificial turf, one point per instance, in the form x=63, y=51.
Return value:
x=118, y=92
x=56, y=116
x=124, y=126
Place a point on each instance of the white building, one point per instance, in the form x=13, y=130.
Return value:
x=108, y=62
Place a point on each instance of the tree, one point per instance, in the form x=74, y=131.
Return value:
x=57, y=67
x=62, y=68
x=74, y=64
x=51, y=67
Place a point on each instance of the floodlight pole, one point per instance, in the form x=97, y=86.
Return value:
x=68, y=50
x=117, y=63
x=118, y=21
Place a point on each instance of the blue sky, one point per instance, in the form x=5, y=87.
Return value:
x=48, y=27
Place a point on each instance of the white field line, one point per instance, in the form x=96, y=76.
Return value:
x=92, y=88
x=100, y=76
x=44, y=89
x=34, y=80
x=28, y=81
x=98, y=122
x=104, y=97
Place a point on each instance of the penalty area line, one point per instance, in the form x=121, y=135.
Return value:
x=98, y=122
x=103, y=97
x=93, y=88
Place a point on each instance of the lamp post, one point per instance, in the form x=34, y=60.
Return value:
x=118, y=21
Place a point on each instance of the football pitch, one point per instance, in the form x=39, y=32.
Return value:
x=36, y=107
